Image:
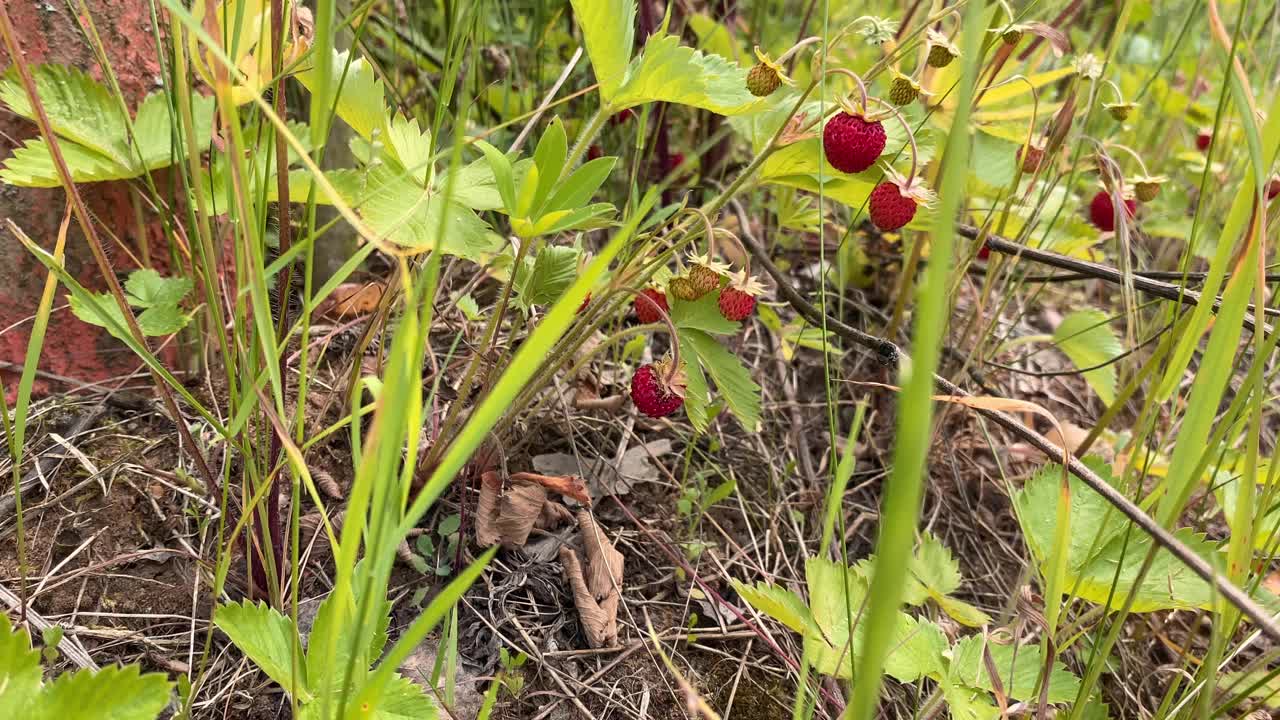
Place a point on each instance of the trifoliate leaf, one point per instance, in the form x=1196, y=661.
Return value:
x=267, y=638
x=732, y=378
x=1086, y=337
x=404, y=699
x=147, y=288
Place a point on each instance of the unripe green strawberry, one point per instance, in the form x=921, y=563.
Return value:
x=765, y=76
x=704, y=279
x=903, y=90
x=941, y=50
x=1011, y=36
x=940, y=56
x=682, y=288
x=1147, y=187
x=762, y=80
x=1121, y=110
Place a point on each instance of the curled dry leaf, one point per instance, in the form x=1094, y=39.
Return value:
x=567, y=485
x=604, y=563
x=599, y=619
x=519, y=508
x=1057, y=39
x=487, y=508
x=351, y=299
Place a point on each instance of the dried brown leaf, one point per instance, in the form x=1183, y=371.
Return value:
x=599, y=619
x=519, y=508
x=487, y=509
x=604, y=563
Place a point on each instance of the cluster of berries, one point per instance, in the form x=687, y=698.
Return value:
x=657, y=389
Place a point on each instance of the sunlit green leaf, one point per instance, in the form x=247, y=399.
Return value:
x=1086, y=337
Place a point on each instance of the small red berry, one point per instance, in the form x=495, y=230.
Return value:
x=735, y=304
x=585, y=302
x=1031, y=157
x=1103, y=214
x=851, y=143
x=984, y=252
x=889, y=208
x=1203, y=138
x=622, y=116
x=594, y=152
x=651, y=393
x=674, y=161
x=651, y=305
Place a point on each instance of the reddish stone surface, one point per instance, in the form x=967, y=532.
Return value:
x=48, y=33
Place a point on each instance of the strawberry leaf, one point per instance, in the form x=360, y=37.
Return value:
x=267, y=638
x=1086, y=337
x=701, y=314
x=732, y=378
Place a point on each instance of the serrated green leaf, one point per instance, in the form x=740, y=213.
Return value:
x=994, y=159
x=961, y=611
x=409, y=146
x=32, y=166
x=732, y=378
x=361, y=103
x=147, y=288
x=1097, y=547
x=470, y=309
x=332, y=613
x=702, y=314
x=154, y=128
x=543, y=281
x=404, y=699
x=778, y=603
x=966, y=703
x=19, y=670
x=401, y=211
x=934, y=566
x=113, y=693
x=608, y=30
x=1019, y=668
x=79, y=109
x=670, y=72
x=267, y=638
x=162, y=320
x=697, y=396
x=1086, y=337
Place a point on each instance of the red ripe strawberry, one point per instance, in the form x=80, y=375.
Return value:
x=674, y=161
x=851, y=143
x=651, y=392
x=984, y=252
x=738, y=299
x=736, y=305
x=622, y=116
x=1203, y=138
x=1103, y=214
x=889, y=208
x=1273, y=188
x=651, y=305
x=594, y=152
